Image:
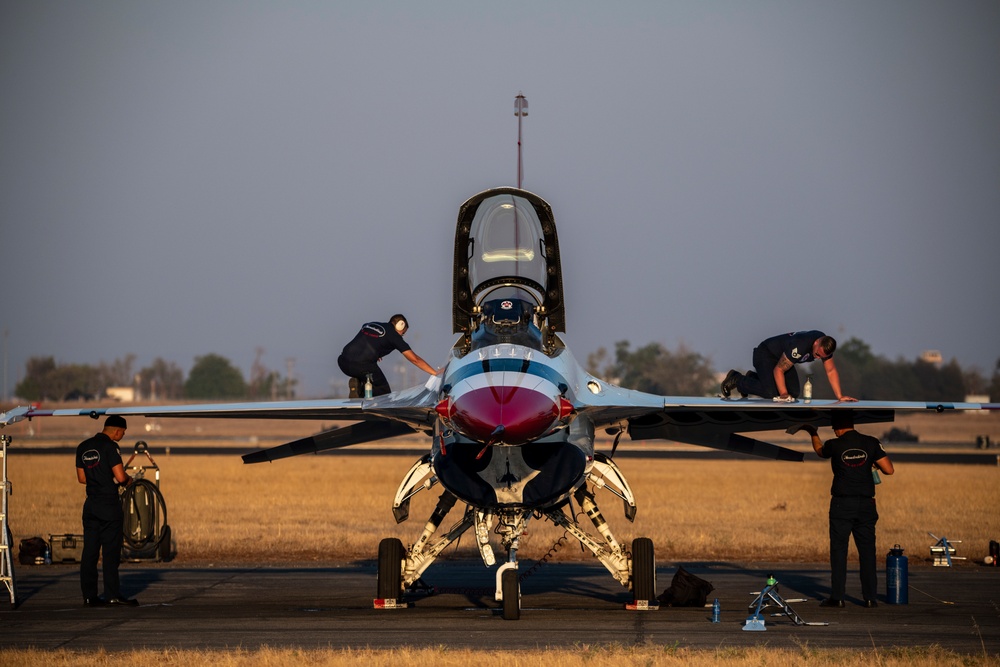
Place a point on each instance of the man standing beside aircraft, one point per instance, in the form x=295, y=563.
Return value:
x=854, y=458
x=774, y=362
x=375, y=340
x=99, y=466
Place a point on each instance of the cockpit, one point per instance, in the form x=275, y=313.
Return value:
x=507, y=320
x=507, y=277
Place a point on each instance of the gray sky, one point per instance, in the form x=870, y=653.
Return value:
x=182, y=178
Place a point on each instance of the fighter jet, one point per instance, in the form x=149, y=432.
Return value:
x=512, y=417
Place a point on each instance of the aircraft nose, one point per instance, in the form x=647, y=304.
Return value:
x=524, y=414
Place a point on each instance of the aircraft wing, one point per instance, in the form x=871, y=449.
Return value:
x=413, y=407
x=718, y=423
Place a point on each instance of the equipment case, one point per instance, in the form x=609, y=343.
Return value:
x=66, y=548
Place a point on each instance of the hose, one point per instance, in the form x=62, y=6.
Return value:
x=145, y=515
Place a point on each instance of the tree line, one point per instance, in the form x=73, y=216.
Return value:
x=211, y=377
x=652, y=368
x=863, y=374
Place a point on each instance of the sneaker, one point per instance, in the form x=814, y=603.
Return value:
x=729, y=383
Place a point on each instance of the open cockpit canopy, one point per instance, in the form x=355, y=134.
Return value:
x=506, y=267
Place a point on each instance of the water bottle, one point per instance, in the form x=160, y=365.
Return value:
x=896, y=577
x=875, y=476
x=807, y=390
x=368, y=386
x=716, y=610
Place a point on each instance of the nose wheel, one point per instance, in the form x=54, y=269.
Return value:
x=510, y=588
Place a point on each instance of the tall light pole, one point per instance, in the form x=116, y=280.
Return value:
x=520, y=110
x=5, y=333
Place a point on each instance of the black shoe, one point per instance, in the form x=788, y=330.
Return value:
x=123, y=602
x=830, y=602
x=94, y=602
x=729, y=383
x=870, y=604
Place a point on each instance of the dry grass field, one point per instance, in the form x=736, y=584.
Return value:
x=620, y=656
x=333, y=508
x=337, y=508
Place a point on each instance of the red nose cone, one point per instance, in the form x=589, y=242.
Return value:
x=524, y=413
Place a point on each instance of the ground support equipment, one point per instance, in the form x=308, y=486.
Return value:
x=943, y=552
x=6, y=539
x=767, y=598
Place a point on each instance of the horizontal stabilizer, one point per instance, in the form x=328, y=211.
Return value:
x=340, y=437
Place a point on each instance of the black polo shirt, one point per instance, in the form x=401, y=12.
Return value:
x=97, y=456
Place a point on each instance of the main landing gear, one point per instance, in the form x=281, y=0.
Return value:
x=400, y=569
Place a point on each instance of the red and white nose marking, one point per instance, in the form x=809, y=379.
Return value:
x=526, y=406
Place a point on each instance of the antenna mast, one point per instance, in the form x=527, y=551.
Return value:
x=520, y=110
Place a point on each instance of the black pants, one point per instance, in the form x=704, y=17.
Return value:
x=760, y=381
x=360, y=370
x=102, y=532
x=852, y=515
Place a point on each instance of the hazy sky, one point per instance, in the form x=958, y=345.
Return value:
x=182, y=178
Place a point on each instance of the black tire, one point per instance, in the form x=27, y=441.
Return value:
x=510, y=589
x=390, y=569
x=163, y=550
x=643, y=569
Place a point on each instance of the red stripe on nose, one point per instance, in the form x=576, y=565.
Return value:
x=524, y=413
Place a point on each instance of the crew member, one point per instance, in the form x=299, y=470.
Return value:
x=854, y=457
x=375, y=340
x=774, y=362
x=99, y=466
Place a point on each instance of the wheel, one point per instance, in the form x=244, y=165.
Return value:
x=511, y=595
x=643, y=569
x=390, y=569
x=163, y=550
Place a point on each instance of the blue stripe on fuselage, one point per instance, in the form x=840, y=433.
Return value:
x=495, y=365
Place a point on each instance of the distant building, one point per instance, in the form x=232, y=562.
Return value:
x=121, y=394
x=931, y=357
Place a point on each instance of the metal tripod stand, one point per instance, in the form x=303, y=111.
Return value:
x=767, y=598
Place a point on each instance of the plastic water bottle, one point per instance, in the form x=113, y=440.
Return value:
x=807, y=390
x=368, y=386
x=716, y=611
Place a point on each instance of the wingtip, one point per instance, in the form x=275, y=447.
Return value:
x=256, y=457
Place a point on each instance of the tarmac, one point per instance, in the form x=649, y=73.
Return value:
x=224, y=606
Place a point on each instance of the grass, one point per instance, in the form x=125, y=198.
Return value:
x=337, y=508
x=445, y=657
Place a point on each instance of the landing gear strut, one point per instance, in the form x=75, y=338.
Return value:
x=400, y=569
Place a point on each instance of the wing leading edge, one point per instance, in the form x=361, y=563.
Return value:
x=718, y=424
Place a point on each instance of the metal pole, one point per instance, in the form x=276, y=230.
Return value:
x=520, y=110
x=5, y=334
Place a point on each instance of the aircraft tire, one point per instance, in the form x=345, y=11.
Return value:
x=643, y=569
x=390, y=569
x=510, y=588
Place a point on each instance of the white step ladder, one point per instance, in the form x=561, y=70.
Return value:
x=6, y=540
